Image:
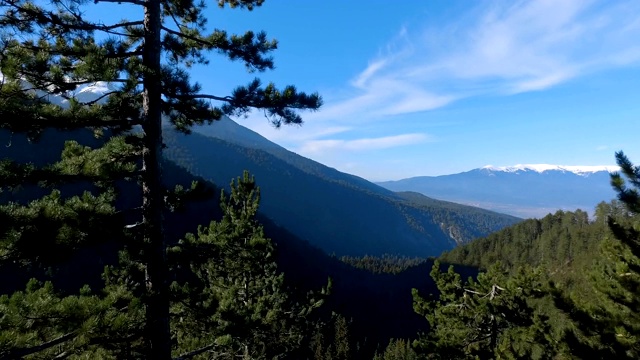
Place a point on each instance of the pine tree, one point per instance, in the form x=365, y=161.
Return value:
x=50, y=51
x=491, y=317
x=332, y=340
x=48, y=239
x=397, y=349
x=607, y=325
x=235, y=293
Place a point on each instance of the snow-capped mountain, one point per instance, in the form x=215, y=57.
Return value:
x=93, y=91
x=540, y=168
x=531, y=190
x=83, y=93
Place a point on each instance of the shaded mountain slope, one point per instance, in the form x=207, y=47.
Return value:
x=337, y=212
x=231, y=132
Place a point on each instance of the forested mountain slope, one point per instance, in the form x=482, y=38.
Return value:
x=234, y=133
x=337, y=212
x=565, y=242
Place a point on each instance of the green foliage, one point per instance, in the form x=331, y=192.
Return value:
x=607, y=325
x=50, y=228
x=494, y=316
x=333, y=341
x=236, y=295
x=390, y=264
x=398, y=349
x=39, y=323
x=565, y=243
x=594, y=264
x=44, y=239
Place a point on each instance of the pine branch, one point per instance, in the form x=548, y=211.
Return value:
x=19, y=353
x=97, y=99
x=189, y=37
x=48, y=17
x=27, y=122
x=230, y=99
x=36, y=49
x=135, y=2
x=245, y=47
x=71, y=83
x=114, y=26
x=175, y=21
x=201, y=96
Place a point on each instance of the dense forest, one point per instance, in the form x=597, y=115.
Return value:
x=110, y=251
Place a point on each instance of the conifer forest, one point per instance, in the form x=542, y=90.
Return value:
x=116, y=244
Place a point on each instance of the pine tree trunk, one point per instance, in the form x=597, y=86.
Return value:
x=494, y=335
x=157, y=315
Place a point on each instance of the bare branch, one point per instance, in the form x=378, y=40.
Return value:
x=118, y=25
x=180, y=26
x=62, y=355
x=100, y=98
x=193, y=353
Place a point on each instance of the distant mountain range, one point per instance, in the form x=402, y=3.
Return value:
x=520, y=190
x=340, y=213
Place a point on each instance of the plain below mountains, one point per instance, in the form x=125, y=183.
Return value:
x=522, y=190
x=340, y=213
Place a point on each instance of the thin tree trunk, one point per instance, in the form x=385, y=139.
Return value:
x=494, y=335
x=157, y=314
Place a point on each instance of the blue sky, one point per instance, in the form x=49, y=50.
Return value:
x=437, y=87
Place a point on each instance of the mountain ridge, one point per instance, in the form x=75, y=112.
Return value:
x=518, y=191
x=540, y=168
x=338, y=212
x=230, y=131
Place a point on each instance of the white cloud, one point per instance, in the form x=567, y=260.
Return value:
x=373, y=67
x=319, y=146
x=499, y=48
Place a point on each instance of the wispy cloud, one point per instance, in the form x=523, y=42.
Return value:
x=497, y=48
x=493, y=48
x=361, y=80
x=317, y=146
